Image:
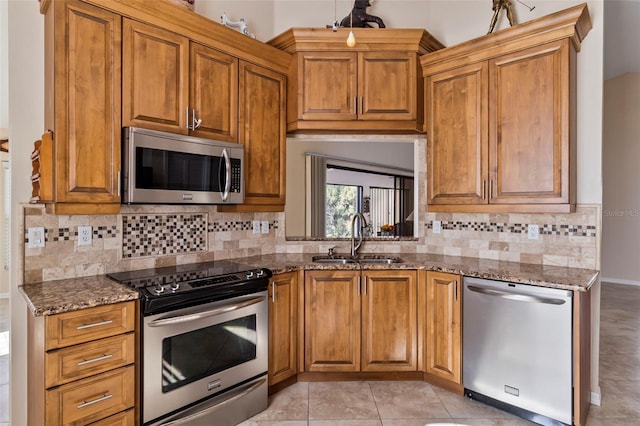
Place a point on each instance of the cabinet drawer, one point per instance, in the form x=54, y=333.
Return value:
x=92, y=399
x=87, y=359
x=71, y=328
x=126, y=418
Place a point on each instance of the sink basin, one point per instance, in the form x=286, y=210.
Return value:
x=370, y=259
x=334, y=259
x=379, y=259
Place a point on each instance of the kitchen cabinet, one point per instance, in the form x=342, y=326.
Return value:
x=124, y=64
x=360, y=321
x=283, y=327
x=501, y=121
x=443, y=322
x=263, y=134
x=82, y=366
x=82, y=98
x=375, y=85
x=175, y=85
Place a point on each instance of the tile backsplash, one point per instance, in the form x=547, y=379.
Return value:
x=142, y=237
x=151, y=236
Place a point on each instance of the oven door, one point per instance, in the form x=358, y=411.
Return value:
x=195, y=353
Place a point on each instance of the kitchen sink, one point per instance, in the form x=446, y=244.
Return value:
x=378, y=259
x=334, y=259
x=366, y=259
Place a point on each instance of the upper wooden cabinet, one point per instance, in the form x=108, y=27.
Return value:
x=82, y=97
x=171, y=83
x=111, y=64
x=374, y=86
x=263, y=134
x=501, y=121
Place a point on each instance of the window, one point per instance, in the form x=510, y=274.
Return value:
x=342, y=202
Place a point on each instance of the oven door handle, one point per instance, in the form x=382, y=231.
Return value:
x=201, y=413
x=204, y=314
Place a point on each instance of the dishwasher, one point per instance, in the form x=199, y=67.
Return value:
x=517, y=349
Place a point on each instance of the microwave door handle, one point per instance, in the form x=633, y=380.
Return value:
x=227, y=175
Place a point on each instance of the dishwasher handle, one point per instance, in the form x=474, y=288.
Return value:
x=516, y=296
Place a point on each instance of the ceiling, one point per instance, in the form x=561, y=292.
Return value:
x=621, y=37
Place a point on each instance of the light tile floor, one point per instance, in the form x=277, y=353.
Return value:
x=417, y=404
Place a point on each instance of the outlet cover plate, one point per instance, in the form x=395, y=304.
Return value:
x=533, y=232
x=265, y=226
x=35, y=237
x=437, y=226
x=84, y=235
x=256, y=226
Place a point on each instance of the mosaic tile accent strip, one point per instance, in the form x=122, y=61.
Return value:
x=69, y=234
x=163, y=234
x=518, y=228
x=238, y=225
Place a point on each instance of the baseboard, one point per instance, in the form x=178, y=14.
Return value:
x=596, y=398
x=619, y=281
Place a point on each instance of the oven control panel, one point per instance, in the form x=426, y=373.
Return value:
x=217, y=281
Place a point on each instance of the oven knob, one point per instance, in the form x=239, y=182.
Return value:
x=159, y=289
x=174, y=287
x=260, y=273
x=249, y=274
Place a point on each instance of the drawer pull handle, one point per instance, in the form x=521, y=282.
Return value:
x=95, y=324
x=95, y=401
x=89, y=361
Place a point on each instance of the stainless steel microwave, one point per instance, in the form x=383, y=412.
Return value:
x=166, y=168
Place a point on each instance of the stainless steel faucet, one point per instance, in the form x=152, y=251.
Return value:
x=363, y=223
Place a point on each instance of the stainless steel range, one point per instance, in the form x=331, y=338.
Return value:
x=204, y=348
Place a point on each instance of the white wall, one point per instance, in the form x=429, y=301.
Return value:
x=257, y=14
x=26, y=122
x=621, y=200
x=4, y=69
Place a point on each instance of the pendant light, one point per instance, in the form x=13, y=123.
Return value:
x=351, y=40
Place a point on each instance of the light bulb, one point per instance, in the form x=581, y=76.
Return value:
x=351, y=40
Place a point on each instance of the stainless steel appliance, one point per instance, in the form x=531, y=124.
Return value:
x=517, y=349
x=166, y=168
x=204, y=349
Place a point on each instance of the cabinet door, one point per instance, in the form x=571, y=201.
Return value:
x=328, y=84
x=283, y=323
x=443, y=326
x=332, y=321
x=85, y=116
x=387, y=86
x=213, y=93
x=263, y=133
x=389, y=321
x=155, y=78
x=529, y=136
x=457, y=135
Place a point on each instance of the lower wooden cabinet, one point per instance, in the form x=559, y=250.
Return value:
x=443, y=325
x=283, y=327
x=360, y=321
x=82, y=366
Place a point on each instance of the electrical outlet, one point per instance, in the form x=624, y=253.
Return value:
x=533, y=232
x=265, y=226
x=84, y=235
x=256, y=226
x=437, y=226
x=35, y=237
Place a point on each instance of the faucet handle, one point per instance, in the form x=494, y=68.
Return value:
x=331, y=249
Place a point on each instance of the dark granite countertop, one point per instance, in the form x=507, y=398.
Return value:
x=524, y=273
x=54, y=297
